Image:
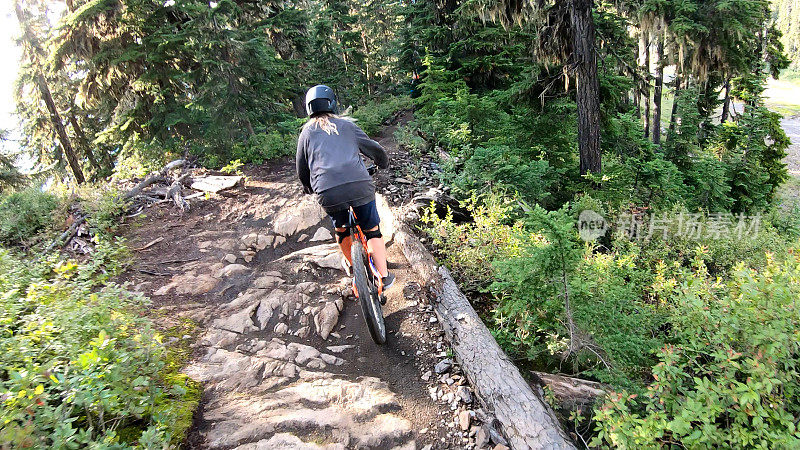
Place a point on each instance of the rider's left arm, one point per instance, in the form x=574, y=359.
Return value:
x=303, y=171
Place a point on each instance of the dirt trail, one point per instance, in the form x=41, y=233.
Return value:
x=792, y=128
x=284, y=357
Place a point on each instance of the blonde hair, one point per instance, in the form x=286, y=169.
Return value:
x=323, y=122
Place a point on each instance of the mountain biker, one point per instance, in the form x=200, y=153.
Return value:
x=329, y=165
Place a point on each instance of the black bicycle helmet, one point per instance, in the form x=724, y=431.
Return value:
x=320, y=99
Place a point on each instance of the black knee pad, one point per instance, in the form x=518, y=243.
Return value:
x=373, y=234
x=341, y=235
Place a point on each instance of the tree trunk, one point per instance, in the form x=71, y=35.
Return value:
x=84, y=143
x=298, y=103
x=646, y=88
x=47, y=96
x=673, y=115
x=55, y=117
x=524, y=418
x=588, y=90
x=658, y=87
x=726, y=106
x=366, y=62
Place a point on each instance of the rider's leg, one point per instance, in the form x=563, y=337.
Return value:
x=378, y=249
x=344, y=245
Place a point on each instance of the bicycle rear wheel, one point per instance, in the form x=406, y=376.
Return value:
x=368, y=293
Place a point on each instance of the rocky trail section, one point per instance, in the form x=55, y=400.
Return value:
x=282, y=352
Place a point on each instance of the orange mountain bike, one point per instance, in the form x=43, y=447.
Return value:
x=367, y=281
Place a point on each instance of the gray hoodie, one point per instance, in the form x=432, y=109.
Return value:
x=330, y=165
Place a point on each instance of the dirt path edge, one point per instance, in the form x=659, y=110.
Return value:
x=524, y=418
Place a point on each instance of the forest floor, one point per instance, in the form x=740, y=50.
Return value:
x=280, y=348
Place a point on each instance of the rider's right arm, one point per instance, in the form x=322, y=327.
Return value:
x=303, y=171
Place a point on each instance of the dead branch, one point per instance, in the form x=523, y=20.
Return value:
x=154, y=273
x=159, y=176
x=67, y=235
x=150, y=244
x=174, y=193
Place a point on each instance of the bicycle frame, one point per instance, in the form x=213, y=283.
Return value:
x=357, y=233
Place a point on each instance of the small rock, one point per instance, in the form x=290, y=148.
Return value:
x=482, y=437
x=496, y=437
x=322, y=234
x=281, y=328
x=427, y=376
x=443, y=366
x=500, y=447
x=433, y=319
x=264, y=241
x=326, y=319
x=464, y=420
x=249, y=240
x=330, y=359
x=402, y=180
x=231, y=269
x=465, y=394
x=248, y=255
x=429, y=446
x=340, y=348
x=230, y=258
x=302, y=237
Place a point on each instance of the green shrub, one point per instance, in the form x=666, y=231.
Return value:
x=469, y=249
x=25, y=213
x=409, y=140
x=371, y=116
x=620, y=297
x=263, y=146
x=561, y=298
x=507, y=169
x=730, y=379
x=748, y=239
x=79, y=366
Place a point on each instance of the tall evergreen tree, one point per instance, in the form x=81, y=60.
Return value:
x=573, y=43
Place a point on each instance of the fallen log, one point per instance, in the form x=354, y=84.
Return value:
x=524, y=418
x=442, y=203
x=570, y=393
x=216, y=183
x=159, y=176
x=67, y=235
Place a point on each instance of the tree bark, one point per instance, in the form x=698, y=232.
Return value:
x=673, y=115
x=570, y=393
x=587, y=89
x=298, y=103
x=84, y=143
x=646, y=88
x=658, y=87
x=726, y=106
x=47, y=96
x=55, y=117
x=524, y=418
